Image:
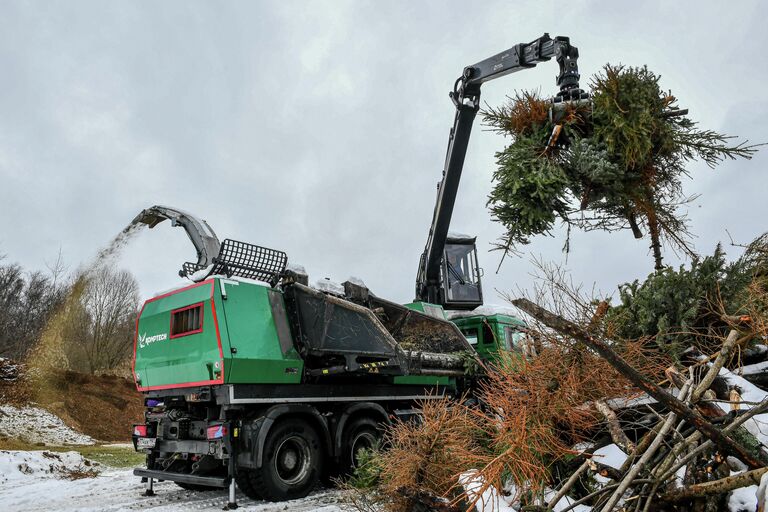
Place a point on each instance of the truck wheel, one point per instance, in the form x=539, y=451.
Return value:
x=244, y=481
x=361, y=434
x=291, y=464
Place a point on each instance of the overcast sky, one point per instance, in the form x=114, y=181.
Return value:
x=320, y=128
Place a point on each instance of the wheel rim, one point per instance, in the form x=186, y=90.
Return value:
x=362, y=441
x=292, y=460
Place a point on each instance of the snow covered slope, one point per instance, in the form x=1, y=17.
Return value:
x=35, y=425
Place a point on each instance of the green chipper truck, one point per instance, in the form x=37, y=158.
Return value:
x=254, y=379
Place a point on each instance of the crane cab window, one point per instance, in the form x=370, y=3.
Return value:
x=461, y=272
x=187, y=320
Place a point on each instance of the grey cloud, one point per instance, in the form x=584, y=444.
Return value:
x=320, y=127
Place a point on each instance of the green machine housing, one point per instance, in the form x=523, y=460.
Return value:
x=229, y=331
x=215, y=332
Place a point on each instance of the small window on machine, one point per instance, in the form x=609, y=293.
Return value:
x=187, y=320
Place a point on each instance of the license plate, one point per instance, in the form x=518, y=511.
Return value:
x=146, y=442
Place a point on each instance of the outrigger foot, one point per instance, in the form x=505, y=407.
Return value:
x=150, y=490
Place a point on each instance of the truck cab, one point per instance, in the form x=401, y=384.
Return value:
x=492, y=334
x=489, y=334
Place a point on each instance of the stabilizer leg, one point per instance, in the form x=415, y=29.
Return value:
x=232, y=503
x=232, y=469
x=150, y=491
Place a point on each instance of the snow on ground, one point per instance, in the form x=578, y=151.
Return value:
x=565, y=502
x=120, y=491
x=743, y=500
x=755, y=350
x=752, y=369
x=492, y=501
x=747, y=499
x=610, y=455
x=19, y=467
x=35, y=425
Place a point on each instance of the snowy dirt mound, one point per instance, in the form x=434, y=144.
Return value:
x=20, y=467
x=35, y=425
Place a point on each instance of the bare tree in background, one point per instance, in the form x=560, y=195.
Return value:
x=99, y=335
x=27, y=300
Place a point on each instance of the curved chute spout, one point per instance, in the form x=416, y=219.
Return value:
x=199, y=232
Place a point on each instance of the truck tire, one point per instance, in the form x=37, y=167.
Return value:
x=244, y=481
x=291, y=463
x=362, y=433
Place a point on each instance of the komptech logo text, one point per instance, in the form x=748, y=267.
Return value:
x=145, y=340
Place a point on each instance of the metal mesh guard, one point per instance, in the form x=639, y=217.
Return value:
x=245, y=260
x=249, y=261
x=189, y=268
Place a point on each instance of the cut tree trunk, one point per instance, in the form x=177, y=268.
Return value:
x=605, y=470
x=636, y=232
x=636, y=468
x=614, y=428
x=654, y=229
x=717, y=487
x=568, y=484
x=722, y=357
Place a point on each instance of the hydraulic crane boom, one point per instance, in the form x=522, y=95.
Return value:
x=456, y=284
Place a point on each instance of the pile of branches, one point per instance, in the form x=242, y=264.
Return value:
x=704, y=441
x=693, y=433
x=528, y=437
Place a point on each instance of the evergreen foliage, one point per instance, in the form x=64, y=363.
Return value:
x=680, y=307
x=367, y=473
x=617, y=165
x=683, y=307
